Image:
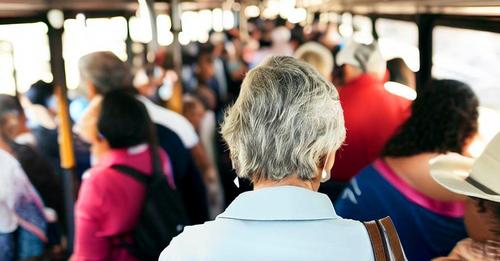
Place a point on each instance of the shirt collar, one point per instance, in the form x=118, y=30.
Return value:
x=280, y=203
x=122, y=156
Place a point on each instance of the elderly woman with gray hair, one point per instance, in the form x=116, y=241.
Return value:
x=282, y=132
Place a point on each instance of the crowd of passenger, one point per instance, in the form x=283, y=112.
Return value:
x=267, y=146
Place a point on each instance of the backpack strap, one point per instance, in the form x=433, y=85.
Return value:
x=376, y=240
x=392, y=238
x=131, y=172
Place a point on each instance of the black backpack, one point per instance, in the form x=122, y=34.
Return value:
x=162, y=216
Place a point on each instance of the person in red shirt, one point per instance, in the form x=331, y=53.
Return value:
x=371, y=113
x=109, y=202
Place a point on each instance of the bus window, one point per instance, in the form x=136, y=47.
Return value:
x=363, y=29
x=399, y=39
x=24, y=48
x=83, y=36
x=472, y=57
x=7, y=80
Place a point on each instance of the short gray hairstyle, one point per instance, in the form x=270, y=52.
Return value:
x=286, y=120
x=106, y=71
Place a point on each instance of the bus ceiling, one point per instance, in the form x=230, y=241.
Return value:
x=32, y=8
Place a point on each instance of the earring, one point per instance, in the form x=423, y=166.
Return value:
x=325, y=176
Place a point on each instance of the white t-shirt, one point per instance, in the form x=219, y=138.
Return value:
x=13, y=182
x=172, y=120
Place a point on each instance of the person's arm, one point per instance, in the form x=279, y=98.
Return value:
x=89, y=246
x=201, y=159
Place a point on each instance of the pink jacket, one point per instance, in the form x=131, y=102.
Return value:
x=109, y=204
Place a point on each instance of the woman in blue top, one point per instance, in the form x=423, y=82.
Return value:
x=428, y=217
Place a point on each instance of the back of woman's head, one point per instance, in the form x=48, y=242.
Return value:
x=124, y=121
x=444, y=118
x=285, y=121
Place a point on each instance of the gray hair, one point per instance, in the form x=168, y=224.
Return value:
x=106, y=71
x=285, y=122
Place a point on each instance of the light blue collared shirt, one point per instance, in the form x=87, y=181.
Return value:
x=278, y=223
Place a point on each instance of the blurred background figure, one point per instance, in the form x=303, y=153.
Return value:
x=399, y=184
x=23, y=222
x=203, y=120
x=41, y=117
x=371, y=113
x=482, y=186
x=318, y=56
x=280, y=45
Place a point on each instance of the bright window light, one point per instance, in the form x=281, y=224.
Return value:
x=17, y=42
x=205, y=17
x=228, y=19
x=183, y=38
x=97, y=34
x=297, y=15
x=401, y=90
x=140, y=30
x=217, y=17
x=252, y=11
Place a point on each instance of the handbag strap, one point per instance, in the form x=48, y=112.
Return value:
x=392, y=238
x=385, y=240
x=376, y=240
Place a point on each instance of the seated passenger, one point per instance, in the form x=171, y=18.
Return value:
x=102, y=72
x=427, y=216
x=371, y=113
x=482, y=186
x=109, y=202
x=22, y=220
x=283, y=132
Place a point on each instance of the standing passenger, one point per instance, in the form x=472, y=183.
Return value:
x=371, y=113
x=109, y=203
x=282, y=132
x=102, y=72
x=22, y=220
x=427, y=216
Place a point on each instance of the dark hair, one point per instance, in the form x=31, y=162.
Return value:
x=40, y=93
x=8, y=105
x=493, y=207
x=124, y=121
x=444, y=116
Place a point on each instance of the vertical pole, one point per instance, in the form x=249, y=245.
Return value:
x=128, y=43
x=425, y=26
x=374, y=28
x=176, y=29
x=175, y=102
x=65, y=134
x=153, y=45
x=243, y=22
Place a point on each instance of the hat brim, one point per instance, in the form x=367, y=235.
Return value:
x=451, y=171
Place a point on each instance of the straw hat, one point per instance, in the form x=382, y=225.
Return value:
x=476, y=178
